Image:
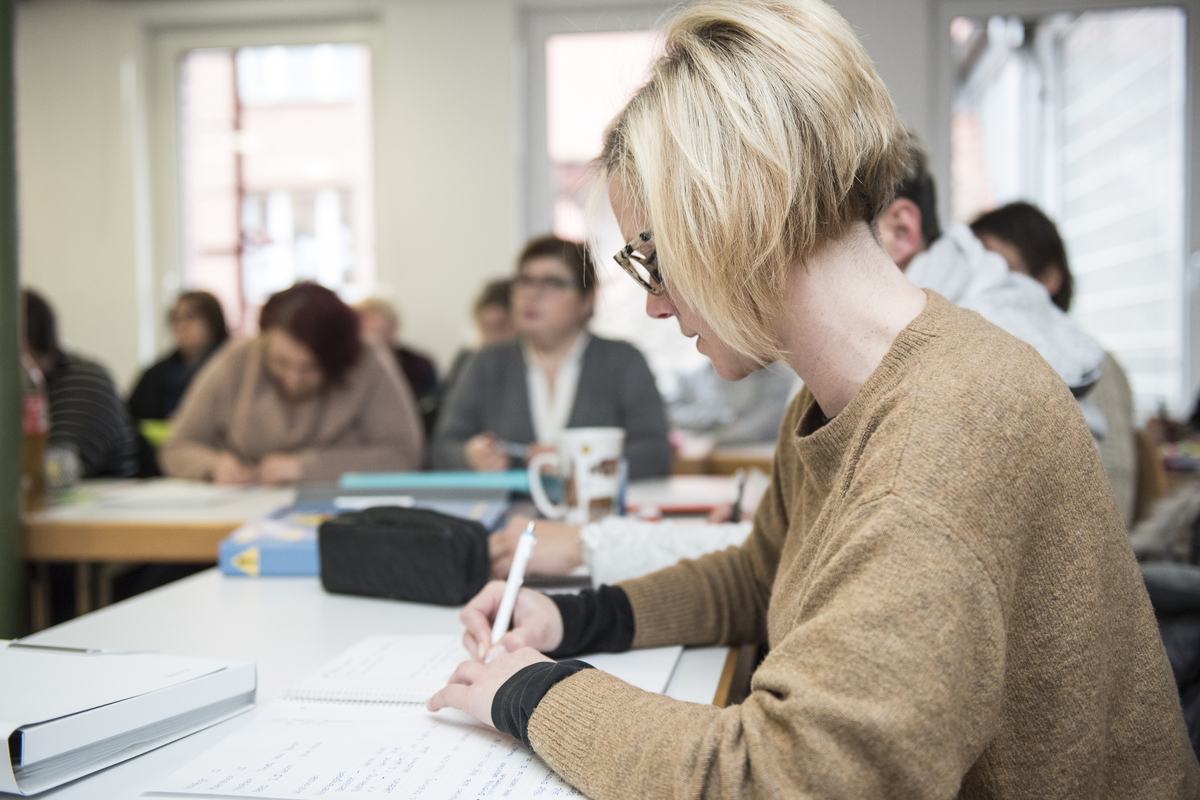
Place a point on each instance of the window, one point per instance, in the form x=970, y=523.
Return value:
x=588, y=79
x=277, y=172
x=1083, y=115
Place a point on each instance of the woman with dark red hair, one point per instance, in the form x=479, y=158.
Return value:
x=304, y=400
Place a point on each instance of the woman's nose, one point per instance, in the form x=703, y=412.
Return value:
x=659, y=306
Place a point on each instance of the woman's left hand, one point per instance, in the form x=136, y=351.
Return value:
x=280, y=468
x=473, y=686
x=557, y=552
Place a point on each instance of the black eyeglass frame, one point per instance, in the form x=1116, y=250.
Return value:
x=628, y=254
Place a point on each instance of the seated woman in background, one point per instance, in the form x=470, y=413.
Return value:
x=553, y=376
x=304, y=400
x=493, y=323
x=380, y=325
x=87, y=418
x=1029, y=241
x=198, y=329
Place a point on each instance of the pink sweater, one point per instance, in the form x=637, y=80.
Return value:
x=366, y=422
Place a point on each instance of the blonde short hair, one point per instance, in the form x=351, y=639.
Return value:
x=377, y=305
x=763, y=134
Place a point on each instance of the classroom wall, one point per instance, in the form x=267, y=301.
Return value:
x=448, y=168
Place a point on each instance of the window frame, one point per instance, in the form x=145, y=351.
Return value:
x=167, y=47
x=537, y=25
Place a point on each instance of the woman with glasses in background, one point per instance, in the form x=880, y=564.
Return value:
x=515, y=398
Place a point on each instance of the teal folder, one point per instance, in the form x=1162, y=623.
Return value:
x=516, y=480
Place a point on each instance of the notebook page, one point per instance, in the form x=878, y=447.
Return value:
x=385, y=669
x=309, y=750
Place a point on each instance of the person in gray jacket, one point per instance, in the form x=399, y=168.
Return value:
x=515, y=398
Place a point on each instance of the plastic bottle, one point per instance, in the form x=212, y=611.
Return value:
x=35, y=425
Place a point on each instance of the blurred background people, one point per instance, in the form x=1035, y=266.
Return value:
x=953, y=263
x=1029, y=242
x=555, y=375
x=492, y=313
x=197, y=329
x=87, y=417
x=306, y=399
x=380, y=325
x=743, y=412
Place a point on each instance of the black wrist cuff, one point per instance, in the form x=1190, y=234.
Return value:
x=594, y=621
x=516, y=700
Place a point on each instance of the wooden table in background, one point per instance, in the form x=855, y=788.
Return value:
x=110, y=522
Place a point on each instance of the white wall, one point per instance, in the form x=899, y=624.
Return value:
x=447, y=152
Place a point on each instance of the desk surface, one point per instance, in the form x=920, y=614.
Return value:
x=166, y=520
x=290, y=627
x=157, y=520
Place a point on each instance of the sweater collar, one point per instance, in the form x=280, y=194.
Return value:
x=823, y=448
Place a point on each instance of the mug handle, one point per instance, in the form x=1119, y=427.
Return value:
x=548, y=509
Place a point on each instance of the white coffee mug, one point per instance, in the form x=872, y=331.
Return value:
x=588, y=461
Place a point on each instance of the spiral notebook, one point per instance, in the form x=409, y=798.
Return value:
x=384, y=669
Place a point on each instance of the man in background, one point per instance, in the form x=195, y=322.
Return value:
x=953, y=262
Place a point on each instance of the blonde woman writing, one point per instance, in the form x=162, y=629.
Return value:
x=949, y=596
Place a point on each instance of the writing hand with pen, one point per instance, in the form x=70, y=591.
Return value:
x=500, y=653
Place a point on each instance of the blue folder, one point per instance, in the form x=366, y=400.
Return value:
x=516, y=480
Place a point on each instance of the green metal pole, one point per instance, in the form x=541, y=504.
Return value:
x=12, y=568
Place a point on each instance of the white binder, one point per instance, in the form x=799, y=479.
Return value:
x=66, y=712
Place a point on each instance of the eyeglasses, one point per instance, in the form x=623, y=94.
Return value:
x=643, y=269
x=547, y=283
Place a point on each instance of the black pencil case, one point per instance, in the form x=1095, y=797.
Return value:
x=404, y=554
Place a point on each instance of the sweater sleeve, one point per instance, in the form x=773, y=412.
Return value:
x=389, y=429
x=887, y=684
x=461, y=416
x=647, y=448
x=199, y=429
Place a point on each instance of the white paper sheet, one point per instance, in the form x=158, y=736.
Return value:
x=410, y=669
x=396, y=669
x=310, y=750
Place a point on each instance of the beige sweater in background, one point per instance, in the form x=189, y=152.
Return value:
x=950, y=599
x=367, y=422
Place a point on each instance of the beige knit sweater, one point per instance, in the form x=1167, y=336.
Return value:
x=368, y=421
x=950, y=600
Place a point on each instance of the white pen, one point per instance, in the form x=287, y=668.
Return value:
x=516, y=577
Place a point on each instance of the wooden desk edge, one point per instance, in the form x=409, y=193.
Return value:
x=721, y=698
x=68, y=540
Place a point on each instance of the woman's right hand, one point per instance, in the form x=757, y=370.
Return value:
x=536, y=622
x=228, y=469
x=484, y=455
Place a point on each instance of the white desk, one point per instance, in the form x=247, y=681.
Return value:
x=290, y=627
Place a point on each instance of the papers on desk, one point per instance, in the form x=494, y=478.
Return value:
x=169, y=493
x=327, y=750
x=69, y=712
x=354, y=729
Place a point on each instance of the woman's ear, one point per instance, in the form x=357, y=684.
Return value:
x=900, y=231
x=1052, y=278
